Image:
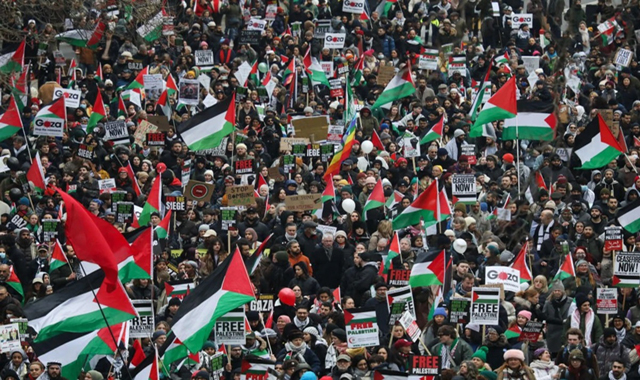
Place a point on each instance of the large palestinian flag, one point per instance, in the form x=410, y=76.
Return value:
x=596, y=146
x=535, y=121
x=431, y=206
x=227, y=288
x=74, y=308
x=501, y=106
x=629, y=217
x=207, y=129
x=429, y=271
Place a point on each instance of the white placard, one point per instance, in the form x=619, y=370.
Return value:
x=153, y=86
x=353, y=6
x=204, y=57
x=48, y=126
x=257, y=24
x=71, y=97
x=334, y=40
x=624, y=57
x=518, y=19
x=506, y=276
x=327, y=67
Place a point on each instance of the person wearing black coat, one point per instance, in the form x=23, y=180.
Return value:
x=308, y=285
x=327, y=263
x=298, y=350
x=366, y=275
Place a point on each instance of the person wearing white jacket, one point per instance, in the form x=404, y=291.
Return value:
x=543, y=367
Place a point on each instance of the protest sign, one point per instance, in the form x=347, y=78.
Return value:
x=327, y=67
x=613, y=238
x=256, y=24
x=263, y=303
x=286, y=143
x=71, y=97
x=242, y=195
x=518, y=19
x=144, y=128
x=308, y=126
x=48, y=126
x=107, y=185
x=116, y=131
x=361, y=327
x=623, y=57
x=153, y=86
x=327, y=151
x=509, y=277
x=607, y=300
x=243, y=166
x=189, y=91
x=17, y=222
x=199, y=191
x=156, y=139
x=424, y=367
x=204, y=57
x=124, y=212
x=228, y=217
x=117, y=196
x=336, y=90
x=175, y=203
x=185, y=171
x=460, y=68
x=485, y=306
x=334, y=40
x=299, y=150
x=289, y=163
x=531, y=63
x=626, y=270
x=385, y=74
x=143, y=325
x=400, y=300
x=327, y=230
x=50, y=229
x=410, y=145
x=250, y=37
x=469, y=150
x=410, y=326
x=85, y=151
x=302, y=202
x=399, y=277
x=429, y=59
x=10, y=337
x=230, y=328
x=270, y=12
x=313, y=150
x=463, y=187
x=531, y=331
x=459, y=310
x=353, y=6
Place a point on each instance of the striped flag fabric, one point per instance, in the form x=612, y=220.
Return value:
x=35, y=174
x=178, y=288
x=394, y=251
x=567, y=269
x=629, y=217
x=257, y=368
x=502, y=105
x=435, y=132
x=398, y=88
x=429, y=271
x=207, y=129
x=58, y=258
x=521, y=264
x=596, y=146
x=383, y=374
x=13, y=62
x=148, y=368
x=535, y=120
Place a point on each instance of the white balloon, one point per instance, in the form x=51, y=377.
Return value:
x=367, y=147
x=348, y=205
x=362, y=164
x=460, y=246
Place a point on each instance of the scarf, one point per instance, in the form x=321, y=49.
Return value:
x=447, y=354
x=622, y=333
x=296, y=351
x=623, y=377
x=509, y=373
x=543, y=234
x=588, y=324
x=301, y=325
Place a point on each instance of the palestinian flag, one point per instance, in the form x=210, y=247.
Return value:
x=385, y=6
x=35, y=175
x=138, y=354
x=122, y=109
x=227, y=288
x=485, y=295
x=206, y=129
x=513, y=332
x=173, y=350
x=98, y=113
x=74, y=350
x=14, y=282
x=383, y=374
x=179, y=288
x=520, y=263
x=394, y=251
x=171, y=86
x=139, y=264
x=357, y=76
x=394, y=199
x=21, y=87
x=139, y=81
x=315, y=71
x=132, y=177
x=608, y=31
x=375, y=140
x=361, y=315
x=567, y=269
x=74, y=309
x=629, y=217
x=430, y=206
x=289, y=72
x=99, y=76
x=13, y=62
x=364, y=16
x=254, y=260
x=55, y=112
x=162, y=229
x=398, y=88
x=502, y=105
x=540, y=181
x=153, y=203
x=435, y=132
x=256, y=368
x=164, y=104
x=429, y=271
x=375, y=199
x=83, y=38
x=535, y=121
x=58, y=258
x=502, y=59
x=483, y=95
x=596, y=146
x=148, y=368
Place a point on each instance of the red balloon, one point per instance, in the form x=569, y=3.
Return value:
x=161, y=167
x=287, y=296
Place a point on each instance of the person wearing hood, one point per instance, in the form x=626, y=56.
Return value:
x=379, y=302
x=608, y=349
x=596, y=177
x=18, y=362
x=317, y=344
x=609, y=182
x=368, y=123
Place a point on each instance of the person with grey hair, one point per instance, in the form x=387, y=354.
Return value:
x=327, y=262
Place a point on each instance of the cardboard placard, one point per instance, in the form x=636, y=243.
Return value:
x=302, y=202
x=160, y=123
x=275, y=174
x=199, y=191
x=175, y=203
x=308, y=126
x=607, y=300
x=286, y=143
x=385, y=74
x=242, y=195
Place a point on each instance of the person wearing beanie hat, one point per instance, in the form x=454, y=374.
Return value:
x=621, y=324
x=585, y=319
x=201, y=375
x=514, y=367
x=479, y=358
x=95, y=375
x=542, y=366
x=297, y=349
x=608, y=349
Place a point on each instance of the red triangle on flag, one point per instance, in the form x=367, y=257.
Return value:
x=437, y=266
x=505, y=97
x=237, y=278
x=615, y=280
x=347, y=317
x=606, y=136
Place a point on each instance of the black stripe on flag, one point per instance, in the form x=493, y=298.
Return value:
x=205, y=116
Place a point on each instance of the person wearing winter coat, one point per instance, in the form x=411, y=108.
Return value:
x=496, y=343
x=514, y=367
x=307, y=284
x=542, y=365
x=555, y=311
x=577, y=368
x=451, y=349
x=608, y=349
x=585, y=319
x=297, y=349
x=317, y=344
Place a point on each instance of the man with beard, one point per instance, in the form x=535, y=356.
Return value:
x=54, y=370
x=342, y=369
x=590, y=241
x=379, y=302
x=251, y=220
x=575, y=340
x=454, y=147
x=609, y=182
x=555, y=169
x=63, y=275
x=608, y=350
x=617, y=370
x=422, y=91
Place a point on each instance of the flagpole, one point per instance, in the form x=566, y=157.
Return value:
x=267, y=335
x=518, y=156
